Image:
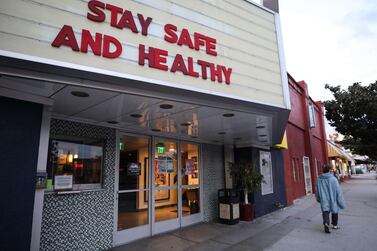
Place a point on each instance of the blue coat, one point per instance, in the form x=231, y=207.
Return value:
x=329, y=194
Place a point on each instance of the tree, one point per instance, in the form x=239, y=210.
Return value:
x=354, y=114
x=246, y=177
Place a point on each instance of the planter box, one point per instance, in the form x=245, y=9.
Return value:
x=246, y=212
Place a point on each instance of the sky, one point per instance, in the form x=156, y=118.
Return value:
x=330, y=41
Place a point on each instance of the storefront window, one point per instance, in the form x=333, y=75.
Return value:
x=74, y=165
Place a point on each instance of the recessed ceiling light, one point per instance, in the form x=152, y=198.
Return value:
x=156, y=130
x=237, y=138
x=194, y=137
x=263, y=135
x=186, y=124
x=112, y=122
x=228, y=115
x=221, y=133
x=261, y=126
x=80, y=94
x=166, y=106
x=136, y=115
x=216, y=141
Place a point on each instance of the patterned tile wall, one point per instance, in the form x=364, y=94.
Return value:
x=213, y=179
x=82, y=221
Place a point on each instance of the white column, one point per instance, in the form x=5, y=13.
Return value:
x=41, y=167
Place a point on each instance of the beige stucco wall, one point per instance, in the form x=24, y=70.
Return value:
x=246, y=42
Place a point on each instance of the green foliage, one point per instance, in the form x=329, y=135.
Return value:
x=353, y=113
x=245, y=176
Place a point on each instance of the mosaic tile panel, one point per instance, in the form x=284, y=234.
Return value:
x=213, y=179
x=82, y=221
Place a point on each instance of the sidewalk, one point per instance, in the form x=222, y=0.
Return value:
x=298, y=227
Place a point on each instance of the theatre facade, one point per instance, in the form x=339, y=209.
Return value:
x=119, y=117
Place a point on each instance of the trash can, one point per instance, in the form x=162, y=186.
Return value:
x=229, y=212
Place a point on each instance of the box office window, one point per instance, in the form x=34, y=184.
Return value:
x=75, y=165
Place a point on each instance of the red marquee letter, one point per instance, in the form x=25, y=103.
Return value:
x=144, y=24
x=185, y=38
x=170, y=36
x=95, y=7
x=107, y=40
x=66, y=37
x=179, y=65
x=87, y=40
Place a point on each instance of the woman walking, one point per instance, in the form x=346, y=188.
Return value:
x=330, y=196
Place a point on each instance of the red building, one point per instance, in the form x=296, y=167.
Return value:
x=306, y=138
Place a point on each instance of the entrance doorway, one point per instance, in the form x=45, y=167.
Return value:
x=308, y=179
x=158, y=188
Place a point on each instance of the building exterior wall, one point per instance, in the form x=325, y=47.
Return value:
x=268, y=203
x=293, y=163
x=246, y=41
x=303, y=140
x=212, y=178
x=265, y=204
x=20, y=126
x=83, y=221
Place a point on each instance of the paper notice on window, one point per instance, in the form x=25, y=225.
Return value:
x=63, y=182
x=266, y=171
x=189, y=167
x=162, y=164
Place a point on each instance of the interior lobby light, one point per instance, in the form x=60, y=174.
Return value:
x=228, y=115
x=166, y=106
x=70, y=158
x=136, y=115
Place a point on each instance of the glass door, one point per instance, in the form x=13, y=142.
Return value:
x=133, y=192
x=190, y=184
x=166, y=208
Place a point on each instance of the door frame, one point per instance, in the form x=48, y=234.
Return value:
x=135, y=233
x=153, y=228
x=307, y=191
x=196, y=218
x=167, y=225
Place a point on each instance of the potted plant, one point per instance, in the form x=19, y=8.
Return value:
x=247, y=179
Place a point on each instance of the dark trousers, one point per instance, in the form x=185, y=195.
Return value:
x=326, y=218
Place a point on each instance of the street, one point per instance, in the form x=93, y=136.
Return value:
x=298, y=227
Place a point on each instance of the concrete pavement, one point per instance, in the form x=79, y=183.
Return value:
x=298, y=227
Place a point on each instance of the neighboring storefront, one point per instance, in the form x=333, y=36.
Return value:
x=140, y=105
x=340, y=160
x=307, y=144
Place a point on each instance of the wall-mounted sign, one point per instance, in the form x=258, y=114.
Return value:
x=266, y=170
x=63, y=182
x=190, y=45
x=111, y=47
x=312, y=121
x=160, y=148
x=133, y=169
x=41, y=180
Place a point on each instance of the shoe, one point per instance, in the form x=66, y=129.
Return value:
x=327, y=229
x=335, y=227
